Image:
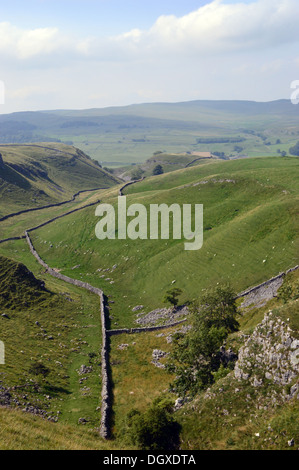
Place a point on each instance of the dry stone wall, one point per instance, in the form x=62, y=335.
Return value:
x=12, y=239
x=48, y=222
x=58, y=204
x=128, y=184
x=264, y=291
x=106, y=389
x=131, y=331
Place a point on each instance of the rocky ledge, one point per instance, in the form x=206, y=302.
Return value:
x=270, y=355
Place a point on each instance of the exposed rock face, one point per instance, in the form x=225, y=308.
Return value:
x=84, y=370
x=162, y=315
x=271, y=353
x=157, y=355
x=263, y=293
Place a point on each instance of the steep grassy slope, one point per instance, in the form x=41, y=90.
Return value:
x=36, y=175
x=20, y=431
x=250, y=227
x=44, y=321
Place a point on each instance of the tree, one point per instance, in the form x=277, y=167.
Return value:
x=155, y=429
x=137, y=173
x=172, y=295
x=158, y=170
x=196, y=356
x=295, y=150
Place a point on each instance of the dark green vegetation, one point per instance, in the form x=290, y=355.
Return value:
x=295, y=150
x=156, y=428
x=172, y=296
x=131, y=134
x=234, y=415
x=37, y=175
x=19, y=287
x=196, y=357
x=158, y=170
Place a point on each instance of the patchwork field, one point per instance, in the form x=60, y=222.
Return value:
x=127, y=135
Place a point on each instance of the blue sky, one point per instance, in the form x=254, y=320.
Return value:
x=95, y=16
x=96, y=53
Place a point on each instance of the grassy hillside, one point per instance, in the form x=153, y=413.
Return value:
x=46, y=322
x=231, y=416
x=168, y=162
x=250, y=234
x=36, y=175
x=15, y=226
x=119, y=136
x=21, y=431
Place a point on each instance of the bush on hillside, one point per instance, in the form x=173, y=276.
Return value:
x=196, y=356
x=158, y=170
x=155, y=429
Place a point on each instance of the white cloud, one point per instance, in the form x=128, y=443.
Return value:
x=220, y=51
x=215, y=28
x=220, y=27
x=25, y=44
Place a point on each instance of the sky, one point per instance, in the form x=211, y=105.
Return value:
x=77, y=54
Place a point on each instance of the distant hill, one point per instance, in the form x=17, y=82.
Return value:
x=118, y=136
x=166, y=161
x=36, y=175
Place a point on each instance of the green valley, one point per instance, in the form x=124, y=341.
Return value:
x=250, y=235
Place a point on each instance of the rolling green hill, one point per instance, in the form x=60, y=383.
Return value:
x=250, y=233
x=37, y=175
x=168, y=163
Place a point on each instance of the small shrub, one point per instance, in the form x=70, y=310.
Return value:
x=155, y=429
